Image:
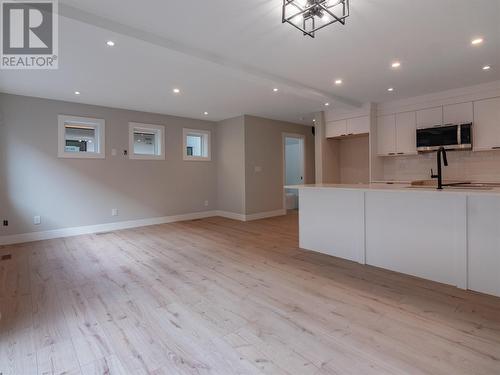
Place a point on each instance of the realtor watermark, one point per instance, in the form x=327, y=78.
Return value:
x=29, y=34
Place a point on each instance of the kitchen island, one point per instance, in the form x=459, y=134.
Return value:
x=450, y=236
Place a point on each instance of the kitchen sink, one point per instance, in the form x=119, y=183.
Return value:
x=454, y=185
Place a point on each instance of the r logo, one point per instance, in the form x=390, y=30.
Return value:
x=29, y=34
x=27, y=28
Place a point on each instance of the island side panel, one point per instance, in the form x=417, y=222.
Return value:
x=331, y=221
x=484, y=244
x=418, y=233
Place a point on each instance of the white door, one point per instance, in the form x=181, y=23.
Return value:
x=293, y=168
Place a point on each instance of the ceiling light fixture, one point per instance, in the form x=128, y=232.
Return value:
x=390, y=89
x=486, y=67
x=275, y=89
x=176, y=91
x=77, y=92
x=110, y=43
x=205, y=113
x=338, y=82
x=396, y=64
x=327, y=104
x=477, y=41
x=310, y=16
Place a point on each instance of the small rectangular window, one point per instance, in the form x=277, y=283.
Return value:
x=80, y=137
x=196, y=145
x=146, y=141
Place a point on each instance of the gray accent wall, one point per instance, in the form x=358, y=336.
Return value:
x=79, y=192
x=231, y=165
x=264, y=150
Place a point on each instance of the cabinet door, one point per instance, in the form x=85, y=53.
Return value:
x=336, y=129
x=484, y=243
x=386, y=135
x=486, y=124
x=358, y=125
x=429, y=117
x=406, y=133
x=461, y=113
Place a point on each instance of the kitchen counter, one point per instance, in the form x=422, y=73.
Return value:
x=450, y=236
x=406, y=187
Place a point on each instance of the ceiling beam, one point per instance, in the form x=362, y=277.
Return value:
x=250, y=72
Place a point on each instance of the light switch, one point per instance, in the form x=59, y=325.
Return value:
x=114, y=212
x=37, y=220
x=258, y=169
x=113, y=151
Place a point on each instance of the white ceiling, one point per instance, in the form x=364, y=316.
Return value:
x=227, y=55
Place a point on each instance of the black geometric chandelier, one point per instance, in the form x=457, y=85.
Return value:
x=310, y=16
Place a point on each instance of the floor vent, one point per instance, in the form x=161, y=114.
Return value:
x=6, y=257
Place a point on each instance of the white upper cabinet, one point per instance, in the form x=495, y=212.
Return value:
x=486, y=125
x=336, y=129
x=429, y=117
x=352, y=126
x=358, y=125
x=406, y=133
x=386, y=135
x=461, y=113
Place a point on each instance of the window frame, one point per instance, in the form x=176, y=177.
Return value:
x=159, y=129
x=100, y=126
x=206, y=143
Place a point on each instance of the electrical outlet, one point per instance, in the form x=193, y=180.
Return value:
x=206, y=203
x=6, y=223
x=37, y=220
x=114, y=212
x=113, y=152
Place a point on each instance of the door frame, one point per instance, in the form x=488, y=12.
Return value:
x=284, y=136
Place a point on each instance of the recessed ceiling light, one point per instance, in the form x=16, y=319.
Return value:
x=396, y=64
x=314, y=120
x=110, y=43
x=477, y=41
x=176, y=91
x=338, y=82
x=390, y=89
x=205, y=113
x=275, y=89
x=486, y=67
x=77, y=92
x=327, y=104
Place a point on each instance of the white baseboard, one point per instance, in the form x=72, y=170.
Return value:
x=250, y=217
x=264, y=215
x=76, y=231
x=231, y=215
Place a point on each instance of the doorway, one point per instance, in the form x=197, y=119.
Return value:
x=294, y=168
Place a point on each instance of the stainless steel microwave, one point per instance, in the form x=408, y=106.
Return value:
x=451, y=137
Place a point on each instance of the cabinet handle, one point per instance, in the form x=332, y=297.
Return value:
x=350, y=134
x=401, y=153
x=496, y=148
x=343, y=135
x=392, y=153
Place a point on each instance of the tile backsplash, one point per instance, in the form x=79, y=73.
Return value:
x=481, y=166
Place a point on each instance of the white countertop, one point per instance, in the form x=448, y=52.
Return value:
x=400, y=187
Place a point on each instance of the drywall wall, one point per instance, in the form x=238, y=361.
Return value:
x=78, y=192
x=264, y=162
x=230, y=151
x=354, y=160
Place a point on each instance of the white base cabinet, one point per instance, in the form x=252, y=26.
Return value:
x=324, y=216
x=484, y=244
x=448, y=237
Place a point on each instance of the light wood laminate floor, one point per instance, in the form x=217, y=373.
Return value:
x=217, y=296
